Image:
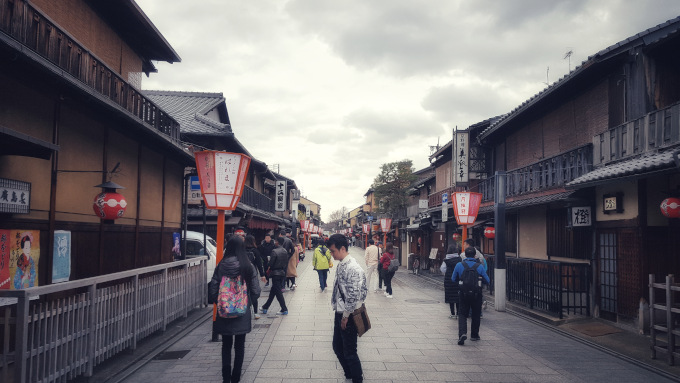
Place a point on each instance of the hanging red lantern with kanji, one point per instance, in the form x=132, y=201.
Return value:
x=109, y=205
x=670, y=207
x=456, y=237
x=490, y=232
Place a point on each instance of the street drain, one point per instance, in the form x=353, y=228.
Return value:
x=422, y=301
x=262, y=325
x=171, y=355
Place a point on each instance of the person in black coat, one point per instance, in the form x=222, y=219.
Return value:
x=451, y=289
x=234, y=330
x=266, y=248
x=256, y=259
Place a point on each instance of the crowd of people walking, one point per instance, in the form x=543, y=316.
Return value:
x=235, y=289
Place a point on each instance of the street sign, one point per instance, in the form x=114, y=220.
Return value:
x=422, y=204
x=370, y=218
x=445, y=198
x=280, y=201
x=194, y=196
x=445, y=212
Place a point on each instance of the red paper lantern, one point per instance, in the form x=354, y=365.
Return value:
x=456, y=237
x=490, y=232
x=670, y=207
x=109, y=205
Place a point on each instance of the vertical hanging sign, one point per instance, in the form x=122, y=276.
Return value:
x=461, y=153
x=280, y=196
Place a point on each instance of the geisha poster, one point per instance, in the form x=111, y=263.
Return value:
x=23, y=259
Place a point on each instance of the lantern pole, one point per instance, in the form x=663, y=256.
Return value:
x=220, y=250
x=464, y=233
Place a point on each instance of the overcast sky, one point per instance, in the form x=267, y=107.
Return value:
x=330, y=89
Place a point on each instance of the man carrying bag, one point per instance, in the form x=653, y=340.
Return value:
x=349, y=293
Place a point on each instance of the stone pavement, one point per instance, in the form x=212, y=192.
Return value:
x=412, y=340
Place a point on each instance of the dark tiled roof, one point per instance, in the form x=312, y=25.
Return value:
x=640, y=165
x=190, y=109
x=530, y=201
x=645, y=38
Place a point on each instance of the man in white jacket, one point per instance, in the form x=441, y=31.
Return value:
x=371, y=256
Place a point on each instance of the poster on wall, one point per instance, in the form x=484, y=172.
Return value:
x=4, y=260
x=61, y=261
x=23, y=258
x=176, y=252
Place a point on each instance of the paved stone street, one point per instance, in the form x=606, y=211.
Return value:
x=412, y=340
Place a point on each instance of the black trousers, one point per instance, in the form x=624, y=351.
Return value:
x=388, y=281
x=239, y=343
x=381, y=275
x=453, y=306
x=468, y=302
x=345, y=348
x=275, y=291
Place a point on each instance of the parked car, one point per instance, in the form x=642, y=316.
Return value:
x=196, y=248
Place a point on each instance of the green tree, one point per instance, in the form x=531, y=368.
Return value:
x=391, y=186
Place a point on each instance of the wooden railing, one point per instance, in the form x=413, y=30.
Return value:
x=253, y=198
x=61, y=331
x=551, y=173
x=655, y=130
x=28, y=26
x=663, y=328
x=435, y=199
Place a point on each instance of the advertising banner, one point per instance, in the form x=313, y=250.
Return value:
x=61, y=256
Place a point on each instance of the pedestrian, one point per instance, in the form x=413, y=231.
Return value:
x=287, y=243
x=478, y=254
x=385, y=260
x=372, y=258
x=291, y=272
x=349, y=293
x=278, y=265
x=467, y=274
x=233, y=330
x=381, y=275
x=322, y=262
x=300, y=249
x=266, y=248
x=256, y=259
x=451, y=289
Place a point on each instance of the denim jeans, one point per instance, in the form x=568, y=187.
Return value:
x=323, y=278
x=239, y=342
x=345, y=348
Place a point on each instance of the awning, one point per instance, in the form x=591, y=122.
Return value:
x=540, y=200
x=413, y=227
x=637, y=167
x=256, y=223
x=19, y=144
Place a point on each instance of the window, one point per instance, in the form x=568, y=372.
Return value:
x=194, y=248
x=566, y=242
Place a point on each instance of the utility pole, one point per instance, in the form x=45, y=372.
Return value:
x=499, y=241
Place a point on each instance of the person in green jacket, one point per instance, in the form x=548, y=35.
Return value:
x=322, y=262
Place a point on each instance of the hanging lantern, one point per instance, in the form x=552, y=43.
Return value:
x=222, y=176
x=109, y=205
x=456, y=237
x=670, y=207
x=490, y=232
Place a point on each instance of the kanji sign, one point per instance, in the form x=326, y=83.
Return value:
x=580, y=216
x=15, y=196
x=385, y=224
x=466, y=207
x=366, y=227
x=280, y=198
x=461, y=154
x=304, y=225
x=222, y=176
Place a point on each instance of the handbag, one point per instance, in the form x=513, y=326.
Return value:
x=394, y=265
x=361, y=320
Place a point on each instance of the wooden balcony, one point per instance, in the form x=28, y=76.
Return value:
x=28, y=26
x=257, y=200
x=653, y=131
x=435, y=199
x=551, y=173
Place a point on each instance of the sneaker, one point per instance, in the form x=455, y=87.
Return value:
x=376, y=290
x=282, y=312
x=475, y=338
x=385, y=293
x=484, y=305
x=455, y=316
x=266, y=284
x=257, y=316
x=452, y=316
x=295, y=285
x=263, y=310
x=461, y=339
x=292, y=288
x=389, y=296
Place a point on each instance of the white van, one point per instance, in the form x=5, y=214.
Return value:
x=196, y=248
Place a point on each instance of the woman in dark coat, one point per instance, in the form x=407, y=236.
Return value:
x=234, y=330
x=256, y=259
x=451, y=289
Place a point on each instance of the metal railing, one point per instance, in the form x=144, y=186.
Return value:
x=31, y=28
x=58, y=332
x=557, y=288
x=551, y=173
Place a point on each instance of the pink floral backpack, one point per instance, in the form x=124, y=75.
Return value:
x=232, y=299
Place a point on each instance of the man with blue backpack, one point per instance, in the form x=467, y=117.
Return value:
x=469, y=274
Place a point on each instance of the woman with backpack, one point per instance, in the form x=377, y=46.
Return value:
x=385, y=261
x=234, y=281
x=451, y=289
